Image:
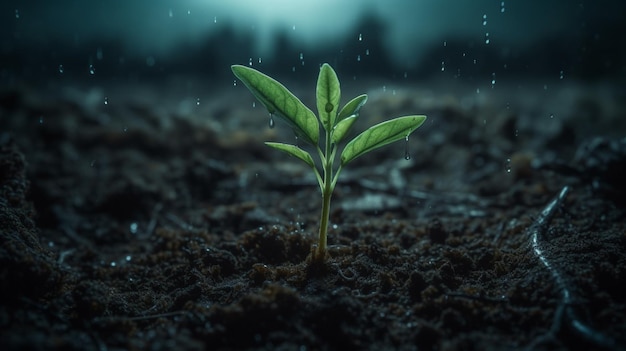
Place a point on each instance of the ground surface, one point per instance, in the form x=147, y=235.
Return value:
x=137, y=218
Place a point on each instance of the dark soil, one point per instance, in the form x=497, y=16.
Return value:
x=159, y=221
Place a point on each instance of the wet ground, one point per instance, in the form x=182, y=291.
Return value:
x=152, y=217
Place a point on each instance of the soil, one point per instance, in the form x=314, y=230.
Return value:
x=144, y=217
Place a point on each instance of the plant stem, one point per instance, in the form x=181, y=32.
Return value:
x=327, y=193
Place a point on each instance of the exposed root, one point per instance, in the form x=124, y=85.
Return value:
x=565, y=319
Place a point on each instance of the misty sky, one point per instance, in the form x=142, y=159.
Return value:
x=156, y=27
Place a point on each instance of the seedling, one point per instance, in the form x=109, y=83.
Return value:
x=335, y=123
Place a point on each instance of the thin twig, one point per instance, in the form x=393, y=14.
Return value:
x=565, y=312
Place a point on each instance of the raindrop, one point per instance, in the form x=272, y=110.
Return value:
x=484, y=20
x=407, y=155
x=293, y=27
x=493, y=79
x=405, y=74
x=250, y=62
x=516, y=133
x=198, y=102
x=502, y=7
x=40, y=119
x=259, y=60
x=125, y=129
x=301, y=56
x=234, y=82
x=487, y=38
x=92, y=163
x=113, y=264
x=545, y=87
x=92, y=70
x=561, y=75
x=384, y=88
x=367, y=52
x=443, y=66
x=189, y=12
x=335, y=226
x=106, y=100
x=61, y=70
x=293, y=69
x=128, y=258
x=477, y=90
x=445, y=43
x=253, y=104
x=358, y=58
x=271, y=121
x=214, y=19
x=360, y=37
x=507, y=165
x=17, y=13
x=551, y=115
x=133, y=228
x=171, y=14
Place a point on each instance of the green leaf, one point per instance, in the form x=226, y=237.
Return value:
x=280, y=102
x=327, y=94
x=293, y=151
x=380, y=135
x=341, y=129
x=352, y=108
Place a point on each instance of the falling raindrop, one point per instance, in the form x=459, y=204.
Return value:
x=293, y=27
x=484, y=20
x=253, y=104
x=384, y=88
x=214, y=19
x=407, y=155
x=17, y=13
x=125, y=129
x=198, y=102
x=487, y=38
x=271, y=121
x=502, y=7
x=133, y=228
x=171, y=14
x=106, y=100
x=507, y=165
x=189, y=12
x=128, y=258
x=234, y=82
x=301, y=56
x=367, y=52
x=360, y=37
x=40, y=119
x=293, y=68
x=493, y=79
x=92, y=70
x=250, y=62
x=445, y=43
x=61, y=70
x=405, y=74
x=358, y=58
x=443, y=66
x=561, y=75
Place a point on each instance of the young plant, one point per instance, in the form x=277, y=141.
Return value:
x=335, y=123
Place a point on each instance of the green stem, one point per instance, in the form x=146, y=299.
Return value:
x=327, y=192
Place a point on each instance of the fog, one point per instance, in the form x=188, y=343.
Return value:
x=406, y=30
